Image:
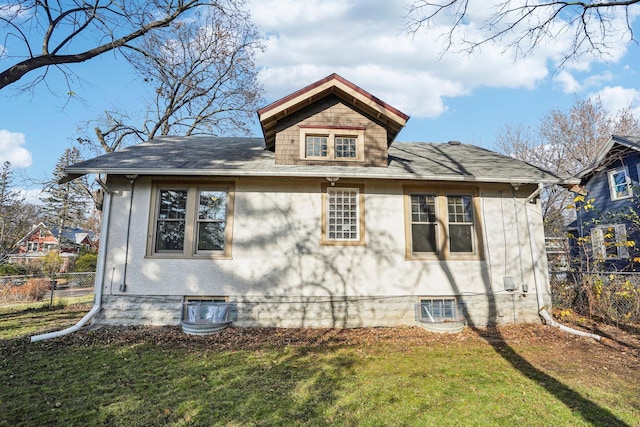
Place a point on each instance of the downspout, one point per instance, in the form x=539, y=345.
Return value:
x=99, y=274
x=538, y=280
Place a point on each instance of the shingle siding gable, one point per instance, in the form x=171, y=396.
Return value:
x=330, y=111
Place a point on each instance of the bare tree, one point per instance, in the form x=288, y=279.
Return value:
x=42, y=34
x=16, y=215
x=203, y=75
x=566, y=142
x=592, y=26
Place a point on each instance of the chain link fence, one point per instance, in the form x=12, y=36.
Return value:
x=612, y=297
x=18, y=289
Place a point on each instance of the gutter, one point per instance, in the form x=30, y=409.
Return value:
x=102, y=257
x=548, y=319
x=296, y=171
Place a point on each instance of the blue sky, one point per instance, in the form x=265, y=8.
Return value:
x=455, y=97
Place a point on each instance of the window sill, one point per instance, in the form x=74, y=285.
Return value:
x=190, y=257
x=342, y=243
x=436, y=257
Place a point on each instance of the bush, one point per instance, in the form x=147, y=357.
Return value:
x=86, y=262
x=32, y=290
x=9, y=269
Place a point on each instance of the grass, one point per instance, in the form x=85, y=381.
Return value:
x=454, y=382
x=32, y=318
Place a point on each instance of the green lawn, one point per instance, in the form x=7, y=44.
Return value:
x=370, y=377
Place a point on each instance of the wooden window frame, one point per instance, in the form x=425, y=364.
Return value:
x=443, y=251
x=331, y=133
x=324, y=239
x=190, y=249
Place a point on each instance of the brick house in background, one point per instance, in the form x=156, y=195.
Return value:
x=41, y=240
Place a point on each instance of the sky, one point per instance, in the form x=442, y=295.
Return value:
x=455, y=96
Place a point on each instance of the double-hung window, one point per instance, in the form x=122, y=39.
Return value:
x=193, y=220
x=460, y=213
x=441, y=225
x=424, y=227
x=620, y=184
x=343, y=215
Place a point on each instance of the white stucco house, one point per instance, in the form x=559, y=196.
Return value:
x=325, y=221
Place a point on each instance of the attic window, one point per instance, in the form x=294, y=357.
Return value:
x=316, y=146
x=332, y=143
x=620, y=184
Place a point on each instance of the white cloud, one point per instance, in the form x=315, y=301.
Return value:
x=31, y=196
x=310, y=39
x=569, y=84
x=11, y=149
x=616, y=98
x=566, y=82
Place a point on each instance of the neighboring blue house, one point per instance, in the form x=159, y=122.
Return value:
x=609, y=203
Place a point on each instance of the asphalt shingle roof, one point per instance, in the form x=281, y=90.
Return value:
x=209, y=156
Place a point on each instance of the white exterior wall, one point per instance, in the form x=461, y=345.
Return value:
x=280, y=274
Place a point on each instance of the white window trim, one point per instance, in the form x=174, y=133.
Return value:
x=190, y=246
x=599, y=250
x=612, y=191
x=331, y=133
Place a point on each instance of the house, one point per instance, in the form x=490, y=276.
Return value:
x=41, y=240
x=607, y=222
x=325, y=221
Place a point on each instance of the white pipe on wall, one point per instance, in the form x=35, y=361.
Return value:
x=100, y=267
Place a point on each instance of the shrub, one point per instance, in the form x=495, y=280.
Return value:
x=10, y=269
x=32, y=290
x=86, y=262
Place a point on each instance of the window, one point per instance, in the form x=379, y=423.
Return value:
x=316, y=146
x=192, y=220
x=343, y=215
x=423, y=223
x=620, y=184
x=212, y=219
x=441, y=226
x=345, y=147
x=172, y=219
x=344, y=143
x=32, y=246
x=609, y=242
x=440, y=310
x=205, y=310
x=460, y=223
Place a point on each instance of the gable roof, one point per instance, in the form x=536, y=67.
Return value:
x=604, y=156
x=74, y=235
x=215, y=156
x=392, y=119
